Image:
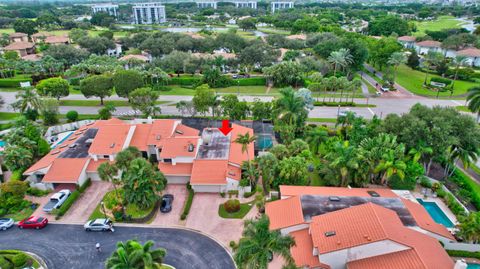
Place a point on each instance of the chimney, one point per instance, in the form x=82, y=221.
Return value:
x=149, y=120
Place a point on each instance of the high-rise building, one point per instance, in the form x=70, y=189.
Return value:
x=111, y=9
x=281, y=5
x=149, y=13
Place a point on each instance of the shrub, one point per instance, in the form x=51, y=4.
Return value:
x=4, y=264
x=68, y=203
x=16, y=175
x=232, y=206
x=463, y=254
x=222, y=194
x=188, y=204
x=424, y=182
x=20, y=259
x=37, y=192
x=75, y=81
x=445, y=81
x=13, y=82
x=185, y=81
x=72, y=116
x=232, y=192
x=248, y=194
x=469, y=189
x=85, y=185
x=255, y=81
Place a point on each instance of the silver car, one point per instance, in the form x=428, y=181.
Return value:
x=99, y=225
x=6, y=223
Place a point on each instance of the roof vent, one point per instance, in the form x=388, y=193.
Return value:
x=178, y=132
x=334, y=198
x=112, y=145
x=330, y=233
x=72, y=146
x=158, y=137
x=373, y=193
x=231, y=173
x=190, y=147
x=55, y=152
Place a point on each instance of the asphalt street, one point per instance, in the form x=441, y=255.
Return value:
x=69, y=246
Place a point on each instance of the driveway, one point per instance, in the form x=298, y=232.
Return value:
x=173, y=217
x=88, y=201
x=204, y=217
x=69, y=246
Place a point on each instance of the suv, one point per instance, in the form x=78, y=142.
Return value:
x=57, y=200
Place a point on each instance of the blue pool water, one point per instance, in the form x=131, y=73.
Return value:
x=61, y=141
x=264, y=142
x=473, y=266
x=2, y=143
x=436, y=213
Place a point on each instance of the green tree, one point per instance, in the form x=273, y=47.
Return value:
x=315, y=136
x=431, y=59
x=144, y=99
x=233, y=108
x=132, y=255
x=457, y=62
x=109, y=172
x=17, y=158
x=247, y=24
x=28, y=27
x=245, y=140
x=54, y=87
x=342, y=161
x=175, y=61
x=470, y=228
x=98, y=86
x=396, y=59
x=385, y=26
x=261, y=110
x=203, y=99
x=67, y=54
x=126, y=81
x=259, y=243
x=413, y=60
x=291, y=171
x=124, y=157
x=340, y=59
x=473, y=99
x=141, y=183
x=267, y=164
x=27, y=99
x=95, y=44
x=105, y=112
x=284, y=74
x=72, y=115
x=49, y=111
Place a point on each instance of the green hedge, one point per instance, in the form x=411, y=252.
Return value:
x=255, y=81
x=464, y=182
x=67, y=204
x=446, y=81
x=13, y=82
x=188, y=204
x=85, y=185
x=185, y=81
x=463, y=254
x=37, y=192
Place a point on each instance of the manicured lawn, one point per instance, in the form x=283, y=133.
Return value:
x=442, y=22
x=412, y=80
x=9, y=89
x=109, y=199
x=176, y=90
x=463, y=108
x=8, y=115
x=250, y=90
x=23, y=214
x=273, y=31
x=244, y=209
x=137, y=212
x=326, y=120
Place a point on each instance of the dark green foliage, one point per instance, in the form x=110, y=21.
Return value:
x=72, y=116
x=13, y=82
x=413, y=60
x=385, y=26
x=37, y=192
x=253, y=81
x=188, y=203
x=125, y=81
x=463, y=254
x=20, y=259
x=68, y=203
x=446, y=81
x=468, y=186
x=185, y=81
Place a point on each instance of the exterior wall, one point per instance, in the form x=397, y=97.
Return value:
x=473, y=61
x=338, y=259
x=246, y=4
x=182, y=160
x=83, y=176
x=149, y=13
x=209, y=188
x=110, y=9
x=178, y=179
x=207, y=4
x=425, y=50
x=434, y=235
x=93, y=176
x=281, y=5
x=116, y=52
x=408, y=44
x=232, y=184
x=294, y=228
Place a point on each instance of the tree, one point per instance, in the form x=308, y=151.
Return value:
x=473, y=99
x=125, y=81
x=27, y=99
x=175, y=61
x=133, y=255
x=258, y=244
x=186, y=107
x=381, y=50
x=261, y=110
x=105, y=112
x=341, y=58
x=470, y=228
x=54, y=87
x=385, y=26
x=67, y=54
x=290, y=109
x=457, y=62
x=247, y=24
x=258, y=54
x=102, y=19
x=98, y=86
x=245, y=140
x=141, y=183
x=109, y=172
x=49, y=111
x=431, y=59
x=413, y=60
x=203, y=99
x=77, y=34
x=72, y=116
x=396, y=59
x=315, y=136
x=17, y=158
x=284, y=74
x=233, y=108
x=28, y=27
x=341, y=162
x=124, y=157
x=291, y=171
x=96, y=45
x=144, y=99
x=267, y=164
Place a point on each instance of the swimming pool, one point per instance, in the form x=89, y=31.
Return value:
x=436, y=213
x=473, y=266
x=264, y=141
x=65, y=137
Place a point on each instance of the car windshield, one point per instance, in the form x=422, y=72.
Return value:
x=164, y=203
x=40, y=219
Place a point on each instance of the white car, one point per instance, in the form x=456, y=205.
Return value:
x=57, y=200
x=385, y=88
x=6, y=223
x=102, y=225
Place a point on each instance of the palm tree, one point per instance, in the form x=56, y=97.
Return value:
x=109, y=172
x=396, y=59
x=473, y=99
x=245, y=140
x=289, y=106
x=340, y=58
x=315, y=137
x=343, y=159
x=28, y=98
x=390, y=166
x=258, y=245
x=267, y=164
x=132, y=255
x=458, y=62
x=432, y=58
x=469, y=228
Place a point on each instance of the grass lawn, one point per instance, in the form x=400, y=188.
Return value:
x=97, y=213
x=250, y=90
x=130, y=209
x=412, y=80
x=117, y=103
x=326, y=120
x=442, y=22
x=9, y=89
x=8, y=115
x=244, y=209
x=23, y=214
x=463, y=108
x=268, y=30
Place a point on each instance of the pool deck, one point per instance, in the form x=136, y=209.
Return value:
x=442, y=206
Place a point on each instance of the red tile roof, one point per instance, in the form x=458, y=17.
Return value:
x=56, y=39
x=407, y=38
x=138, y=57
x=160, y=130
x=234, y=172
x=286, y=190
x=17, y=34
x=209, y=172
x=110, y=139
x=284, y=213
x=179, y=169
x=430, y=44
x=19, y=46
x=140, y=136
x=396, y=260
x=93, y=165
x=179, y=147
x=65, y=170
x=236, y=155
x=425, y=221
x=183, y=130
x=302, y=252
x=471, y=52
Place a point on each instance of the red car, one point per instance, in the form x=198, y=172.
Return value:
x=33, y=223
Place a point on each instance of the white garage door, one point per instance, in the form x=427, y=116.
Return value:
x=208, y=188
x=178, y=179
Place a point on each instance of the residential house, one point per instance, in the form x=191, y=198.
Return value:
x=428, y=45
x=135, y=59
x=355, y=228
x=18, y=37
x=472, y=56
x=408, y=42
x=22, y=48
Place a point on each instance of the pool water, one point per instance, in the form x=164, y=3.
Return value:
x=436, y=213
x=264, y=142
x=2, y=143
x=473, y=266
x=61, y=140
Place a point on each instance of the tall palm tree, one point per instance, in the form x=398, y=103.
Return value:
x=27, y=98
x=245, y=140
x=340, y=58
x=267, y=163
x=258, y=245
x=289, y=106
x=457, y=62
x=473, y=99
x=315, y=137
x=469, y=228
x=132, y=255
x=109, y=172
x=396, y=59
x=431, y=59
x=343, y=159
x=390, y=166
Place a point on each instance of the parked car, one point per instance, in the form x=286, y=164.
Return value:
x=57, y=200
x=99, y=225
x=6, y=223
x=385, y=88
x=167, y=201
x=236, y=76
x=33, y=223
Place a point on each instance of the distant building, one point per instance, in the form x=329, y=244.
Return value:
x=472, y=55
x=207, y=4
x=428, y=45
x=281, y=5
x=22, y=48
x=149, y=13
x=111, y=9
x=246, y=4
x=407, y=41
x=18, y=37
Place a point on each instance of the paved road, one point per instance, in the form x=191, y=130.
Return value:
x=68, y=246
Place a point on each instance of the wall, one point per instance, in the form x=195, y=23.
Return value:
x=178, y=179
x=462, y=246
x=209, y=188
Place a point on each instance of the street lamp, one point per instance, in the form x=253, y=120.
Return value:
x=103, y=207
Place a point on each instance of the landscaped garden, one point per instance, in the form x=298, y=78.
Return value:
x=233, y=209
x=15, y=259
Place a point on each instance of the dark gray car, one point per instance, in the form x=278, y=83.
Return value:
x=167, y=201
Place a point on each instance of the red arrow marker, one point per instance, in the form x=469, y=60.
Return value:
x=226, y=129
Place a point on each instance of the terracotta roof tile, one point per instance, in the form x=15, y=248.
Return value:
x=286, y=190
x=19, y=46
x=397, y=260
x=179, y=147
x=236, y=155
x=284, y=213
x=183, y=130
x=140, y=136
x=429, y=43
x=302, y=252
x=471, y=52
x=110, y=139
x=234, y=172
x=179, y=169
x=93, y=165
x=65, y=170
x=56, y=39
x=139, y=57
x=209, y=172
x=407, y=38
x=17, y=34
x=161, y=129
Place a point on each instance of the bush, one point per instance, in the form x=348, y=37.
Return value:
x=85, y=185
x=464, y=254
x=334, y=103
x=232, y=193
x=68, y=203
x=255, y=81
x=75, y=81
x=407, y=183
x=188, y=204
x=445, y=81
x=469, y=188
x=13, y=82
x=185, y=81
x=20, y=259
x=16, y=175
x=37, y=192
x=424, y=182
x=248, y=194
x=4, y=264
x=72, y=116
x=232, y=206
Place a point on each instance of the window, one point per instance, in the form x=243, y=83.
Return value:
x=106, y=156
x=167, y=160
